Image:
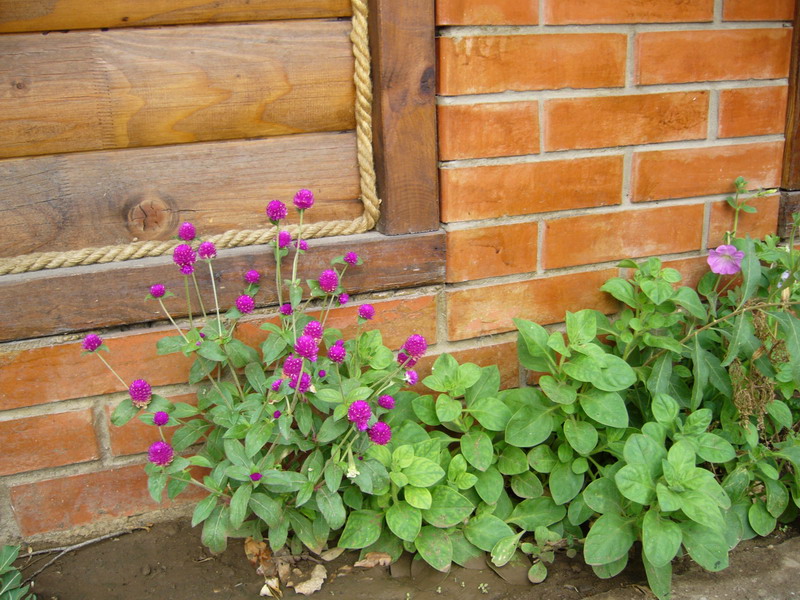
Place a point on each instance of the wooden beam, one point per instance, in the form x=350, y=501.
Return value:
x=84, y=298
x=94, y=199
x=49, y=15
x=791, y=153
x=402, y=36
x=93, y=90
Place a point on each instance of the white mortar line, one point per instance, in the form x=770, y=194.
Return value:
x=630, y=61
x=627, y=177
x=102, y=433
x=718, y=11
x=707, y=223
x=713, y=115
x=542, y=124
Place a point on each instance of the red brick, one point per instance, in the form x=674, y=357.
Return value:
x=692, y=172
x=490, y=129
x=625, y=120
x=490, y=309
x=752, y=111
x=684, y=56
x=60, y=372
x=499, y=190
x=58, y=504
x=479, y=65
x=758, y=10
x=32, y=443
x=487, y=12
x=692, y=269
x=563, y=12
x=586, y=239
x=135, y=437
x=503, y=355
x=758, y=224
x=491, y=251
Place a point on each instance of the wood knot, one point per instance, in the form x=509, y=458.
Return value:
x=149, y=217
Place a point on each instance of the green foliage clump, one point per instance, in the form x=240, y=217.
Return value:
x=11, y=587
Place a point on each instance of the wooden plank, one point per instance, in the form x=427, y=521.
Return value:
x=791, y=151
x=402, y=36
x=92, y=90
x=93, y=199
x=85, y=298
x=48, y=15
x=789, y=205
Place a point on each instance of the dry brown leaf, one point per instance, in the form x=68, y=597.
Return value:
x=260, y=557
x=331, y=554
x=272, y=588
x=314, y=583
x=374, y=559
x=284, y=571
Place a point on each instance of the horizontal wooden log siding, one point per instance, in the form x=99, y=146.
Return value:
x=82, y=298
x=92, y=90
x=94, y=199
x=49, y=15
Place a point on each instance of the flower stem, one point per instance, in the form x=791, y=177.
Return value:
x=188, y=301
x=214, y=287
x=199, y=297
x=171, y=320
x=110, y=368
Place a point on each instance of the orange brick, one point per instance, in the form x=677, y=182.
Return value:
x=692, y=269
x=703, y=171
x=625, y=120
x=490, y=309
x=60, y=372
x=563, y=12
x=58, y=504
x=499, y=190
x=32, y=443
x=502, y=355
x=758, y=10
x=684, y=56
x=752, y=111
x=479, y=65
x=587, y=239
x=491, y=251
x=491, y=129
x=135, y=437
x=491, y=12
x=758, y=224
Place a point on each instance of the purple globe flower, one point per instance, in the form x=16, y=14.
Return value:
x=276, y=386
x=302, y=244
x=415, y=345
x=245, y=304
x=186, y=232
x=725, y=260
x=386, y=402
x=314, y=329
x=304, y=199
x=404, y=360
x=380, y=433
x=366, y=311
x=285, y=309
x=329, y=281
x=344, y=299
x=351, y=258
x=306, y=346
x=91, y=342
x=160, y=418
x=161, y=454
x=207, y=250
x=255, y=476
x=157, y=290
x=411, y=377
x=140, y=393
x=305, y=383
x=276, y=414
x=321, y=373
x=337, y=354
x=276, y=210
x=252, y=276
x=187, y=269
x=284, y=239
x=183, y=254
x=359, y=413
x=292, y=365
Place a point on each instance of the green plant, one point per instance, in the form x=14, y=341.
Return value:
x=10, y=578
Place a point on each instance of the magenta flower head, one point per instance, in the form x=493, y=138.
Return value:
x=286, y=309
x=337, y=353
x=183, y=255
x=411, y=377
x=160, y=418
x=186, y=232
x=304, y=199
x=245, y=304
x=252, y=276
x=351, y=258
x=255, y=477
x=306, y=346
x=366, y=311
x=302, y=244
x=276, y=386
x=314, y=329
x=157, y=290
x=140, y=393
x=404, y=360
x=207, y=250
x=161, y=454
x=276, y=414
x=386, y=402
x=725, y=260
x=91, y=342
x=329, y=281
x=359, y=413
x=305, y=383
x=322, y=373
x=292, y=365
x=187, y=269
x=284, y=239
x=380, y=433
x=344, y=299
x=276, y=210
x=415, y=345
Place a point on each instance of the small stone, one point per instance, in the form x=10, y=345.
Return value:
x=146, y=570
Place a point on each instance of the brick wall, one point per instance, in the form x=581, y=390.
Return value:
x=571, y=134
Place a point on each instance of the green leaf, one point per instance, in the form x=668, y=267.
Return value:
x=612, y=569
x=215, y=529
x=489, y=485
x=266, y=508
x=751, y=268
x=512, y=461
x=435, y=548
x=239, y=505
x=705, y=545
x=780, y=413
x=713, y=448
x=527, y=485
x=156, y=483
x=529, y=426
x=425, y=409
x=740, y=337
x=581, y=326
x=688, y=299
x=659, y=380
x=8, y=554
x=240, y=353
x=331, y=506
x=565, y=484
x=423, y=472
x=621, y=289
x=659, y=579
x=537, y=512
x=169, y=345
x=200, y=368
x=486, y=530
x=282, y=482
x=657, y=290
x=582, y=436
x=124, y=412
x=503, y=551
x=790, y=328
x=532, y=348
x=443, y=374
x=663, y=341
x=560, y=393
x=661, y=538
x=202, y=510
x=418, y=497
x=477, y=449
x=490, y=412
x=760, y=520
x=609, y=539
x=404, y=520
x=257, y=438
x=447, y=409
x=607, y=408
x=362, y=529
x=542, y=459
x=635, y=482
x=463, y=551
x=602, y=496
x=643, y=450
x=448, y=508
x=211, y=350
x=235, y=452
x=331, y=429
x=487, y=386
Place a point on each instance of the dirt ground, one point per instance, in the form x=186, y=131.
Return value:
x=169, y=562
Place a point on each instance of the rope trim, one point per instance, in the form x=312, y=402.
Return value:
x=359, y=36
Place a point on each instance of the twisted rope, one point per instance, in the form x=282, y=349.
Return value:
x=359, y=36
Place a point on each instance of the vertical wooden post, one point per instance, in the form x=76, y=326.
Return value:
x=790, y=183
